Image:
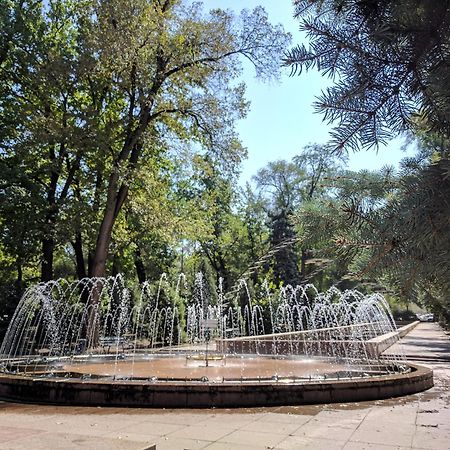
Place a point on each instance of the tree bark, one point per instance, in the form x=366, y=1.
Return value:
x=48, y=247
x=19, y=279
x=115, y=266
x=140, y=268
x=303, y=260
x=77, y=245
x=100, y=256
x=48, y=241
x=98, y=265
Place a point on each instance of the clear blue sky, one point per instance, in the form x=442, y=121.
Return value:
x=282, y=120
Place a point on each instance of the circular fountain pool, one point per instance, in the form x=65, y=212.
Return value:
x=232, y=368
x=91, y=343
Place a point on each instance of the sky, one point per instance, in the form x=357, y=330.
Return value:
x=281, y=120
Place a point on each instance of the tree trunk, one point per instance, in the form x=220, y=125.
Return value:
x=98, y=262
x=19, y=280
x=48, y=246
x=140, y=268
x=48, y=241
x=92, y=325
x=304, y=258
x=79, y=257
x=89, y=262
x=115, y=266
x=98, y=267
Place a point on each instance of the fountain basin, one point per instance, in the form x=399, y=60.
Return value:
x=216, y=368
x=95, y=342
x=192, y=394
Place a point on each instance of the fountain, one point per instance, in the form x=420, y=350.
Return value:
x=99, y=342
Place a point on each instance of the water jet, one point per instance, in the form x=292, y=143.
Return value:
x=93, y=342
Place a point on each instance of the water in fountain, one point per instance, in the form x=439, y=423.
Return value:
x=102, y=328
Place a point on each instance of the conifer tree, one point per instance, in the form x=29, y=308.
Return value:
x=390, y=62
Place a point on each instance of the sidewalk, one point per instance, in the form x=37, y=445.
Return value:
x=420, y=421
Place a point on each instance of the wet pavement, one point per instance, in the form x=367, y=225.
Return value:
x=420, y=421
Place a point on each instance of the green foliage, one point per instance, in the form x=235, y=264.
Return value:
x=286, y=187
x=118, y=149
x=389, y=229
x=389, y=63
x=281, y=182
x=99, y=101
x=102, y=107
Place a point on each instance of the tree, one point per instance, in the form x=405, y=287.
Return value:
x=342, y=244
x=102, y=91
x=287, y=186
x=318, y=162
x=254, y=246
x=390, y=64
x=282, y=183
x=414, y=228
x=19, y=232
x=389, y=60
x=220, y=239
x=389, y=228
x=171, y=70
x=37, y=99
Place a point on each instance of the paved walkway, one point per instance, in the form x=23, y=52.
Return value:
x=420, y=421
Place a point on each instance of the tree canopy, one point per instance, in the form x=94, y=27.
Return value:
x=98, y=98
x=389, y=60
x=119, y=151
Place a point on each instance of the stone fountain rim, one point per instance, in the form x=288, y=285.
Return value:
x=183, y=394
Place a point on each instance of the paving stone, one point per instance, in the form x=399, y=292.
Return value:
x=404, y=414
x=384, y=433
x=205, y=433
x=237, y=420
x=227, y=446
x=438, y=417
x=8, y=433
x=175, y=418
x=434, y=439
x=175, y=443
x=365, y=446
x=309, y=443
x=337, y=414
x=132, y=436
x=242, y=437
x=272, y=427
x=297, y=419
x=90, y=425
x=58, y=441
x=338, y=430
x=150, y=428
x=32, y=421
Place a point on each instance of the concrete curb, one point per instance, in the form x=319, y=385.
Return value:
x=403, y=331
x=196, y=395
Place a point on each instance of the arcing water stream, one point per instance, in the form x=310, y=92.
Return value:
x=102, y=328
